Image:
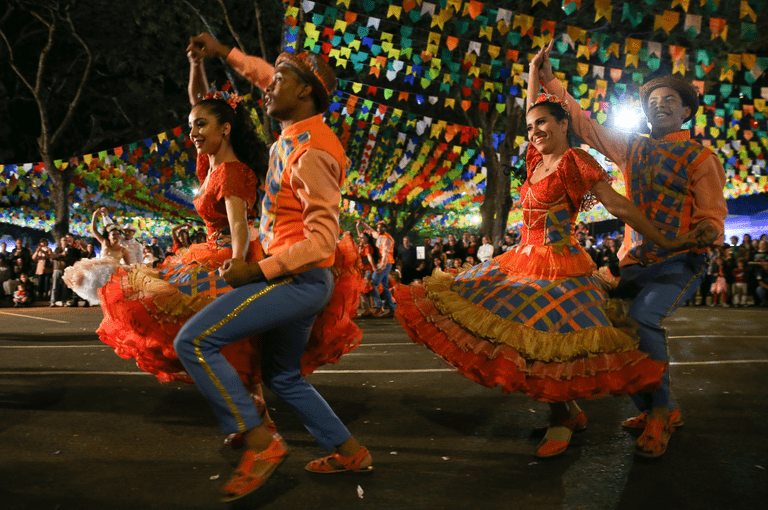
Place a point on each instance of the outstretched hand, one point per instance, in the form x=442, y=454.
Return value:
x=541, y=64
x=206, y=46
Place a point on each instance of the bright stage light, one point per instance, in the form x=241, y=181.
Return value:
x=628, y=118
x=475, y=219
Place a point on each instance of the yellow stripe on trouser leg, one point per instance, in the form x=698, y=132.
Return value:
x=213, y=329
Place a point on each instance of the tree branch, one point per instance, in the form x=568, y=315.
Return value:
x=232, y=31
x=80, y=88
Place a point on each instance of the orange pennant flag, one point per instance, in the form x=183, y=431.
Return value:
x=616, y=75
x=677, y=52
x=451, y=42
x=719, y=28
x=475, y=8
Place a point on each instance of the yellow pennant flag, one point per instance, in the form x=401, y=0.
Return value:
x=734, y=61
x=726, y=75
x=632, y=60
x=746, y=10
x=603, y=9
x=576, y=34
x=582, y=68
x=394, y=11
x=678, y=67
x=486, y=32
x=582, y=51
x=666, y=21
x=682, y=3
x=340, y=25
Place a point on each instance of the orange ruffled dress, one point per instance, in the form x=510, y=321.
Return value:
x=536, y=319
x=144, y=308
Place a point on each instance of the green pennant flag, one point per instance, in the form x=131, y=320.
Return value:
x=748, y=32
x=633, y=14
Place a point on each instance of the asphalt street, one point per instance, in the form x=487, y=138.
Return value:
x=83, y=429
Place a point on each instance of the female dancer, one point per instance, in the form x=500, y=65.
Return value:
x=535, y=319
x=86, y=276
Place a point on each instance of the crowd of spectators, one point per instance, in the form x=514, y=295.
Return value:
x=737, y=274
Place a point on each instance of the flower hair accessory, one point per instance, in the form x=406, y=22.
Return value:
x=230, y=97
x=552, y=99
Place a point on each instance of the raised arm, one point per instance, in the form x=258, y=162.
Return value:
x=533, y=77
x=253, y=69
x=198, y=82
x=102, y=211
x=612, y=143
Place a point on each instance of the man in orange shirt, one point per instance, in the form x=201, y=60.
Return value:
x=279, y=297
x=386, y=246
x=678, y=184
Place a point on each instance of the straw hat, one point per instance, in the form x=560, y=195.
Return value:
x=315, y=70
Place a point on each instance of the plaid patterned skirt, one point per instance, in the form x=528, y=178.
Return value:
x=534, y=320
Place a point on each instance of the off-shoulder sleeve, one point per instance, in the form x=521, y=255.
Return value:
x=203, y=163
x=235, y=180
x=580, y=172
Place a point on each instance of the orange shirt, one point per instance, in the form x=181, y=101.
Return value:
x=299, y=225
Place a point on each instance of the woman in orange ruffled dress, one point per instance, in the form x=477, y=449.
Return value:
x=144, y=308
x=536, y=319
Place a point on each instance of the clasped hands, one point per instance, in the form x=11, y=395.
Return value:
x=238, y=272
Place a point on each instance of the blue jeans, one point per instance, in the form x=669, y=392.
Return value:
x=658, y=290
x=282, y=313
x=762, y=295
x=383, y=279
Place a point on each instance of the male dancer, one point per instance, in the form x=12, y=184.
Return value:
x=678, y=184
x=280, y=296
x=386, y=246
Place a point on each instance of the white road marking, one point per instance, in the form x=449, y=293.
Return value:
x=720, y=362
x=33, y=317
x=720, y=336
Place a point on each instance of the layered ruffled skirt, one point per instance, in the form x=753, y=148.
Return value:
x=533, y=320
x=85, y=277
x=144, y=309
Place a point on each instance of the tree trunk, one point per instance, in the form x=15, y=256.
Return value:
x=60, y=181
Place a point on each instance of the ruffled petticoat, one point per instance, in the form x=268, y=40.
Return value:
x=145, y=308
x=85, y=277
x=533, y=320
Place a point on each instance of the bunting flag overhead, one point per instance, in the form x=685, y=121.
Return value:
x=416, y=77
